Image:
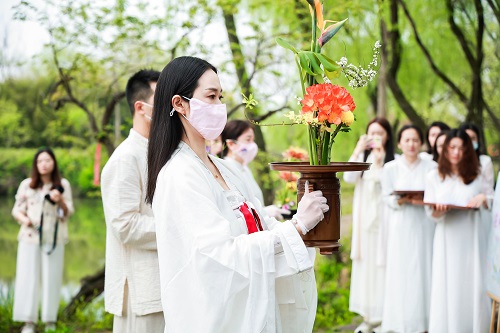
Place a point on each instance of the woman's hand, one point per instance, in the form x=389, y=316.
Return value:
x=440, y=210
x=404, y=200
x=362, y=145
x=477, y=201
x=25, y=220
x=55, y=195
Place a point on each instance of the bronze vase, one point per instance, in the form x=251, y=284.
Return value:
x=326, y=234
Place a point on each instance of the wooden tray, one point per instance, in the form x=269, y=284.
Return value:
x=454, y=207
x=402, y=192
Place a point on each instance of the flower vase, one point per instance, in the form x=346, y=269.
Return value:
x=326, y=234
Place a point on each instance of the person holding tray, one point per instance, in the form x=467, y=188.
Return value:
x=459, y=302
x=410, y=236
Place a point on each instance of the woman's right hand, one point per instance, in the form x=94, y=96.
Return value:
x=310, y=210
x=439, y=210
x=25, y=221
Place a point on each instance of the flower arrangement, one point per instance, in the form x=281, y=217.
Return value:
x=286, y=197
x=327, y=109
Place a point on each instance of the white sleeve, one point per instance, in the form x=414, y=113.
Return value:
x=121, y=197
x=68, y=197
x=488, y=176
x=430, y=195
x=353, y=176
x=391, y=200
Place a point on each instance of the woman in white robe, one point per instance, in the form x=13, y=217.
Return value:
x=459, y=302
x=239, y=150
x=223, y=268
x=367, y=276
x=410, y=238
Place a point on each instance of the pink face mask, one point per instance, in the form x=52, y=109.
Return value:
x=247, y=151
x=208, y=119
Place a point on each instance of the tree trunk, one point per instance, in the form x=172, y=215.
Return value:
x=91, y=287
x=246, y=88
x=391, y=50
x=382, y=88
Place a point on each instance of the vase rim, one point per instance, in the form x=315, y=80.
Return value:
x=306, y=167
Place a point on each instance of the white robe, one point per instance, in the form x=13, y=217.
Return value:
x=409, y=250
x=367, y=276
x=214, y=276
x=459, y=303
x=426, y=156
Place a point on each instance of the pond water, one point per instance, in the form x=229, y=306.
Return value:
x=84, y=254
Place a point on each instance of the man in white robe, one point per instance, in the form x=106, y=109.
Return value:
x=132, y=282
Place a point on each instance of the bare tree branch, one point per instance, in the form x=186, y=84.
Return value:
x=110, y=107
x=494, y=118
x=392, y=39
x=430, y=60
x=459, y=33
x=270, y=113
x=495, y=7
x=234, y=109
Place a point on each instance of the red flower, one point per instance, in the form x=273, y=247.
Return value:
x=329, y=101
x=288, y=176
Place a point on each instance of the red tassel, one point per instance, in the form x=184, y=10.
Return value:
x=249, y=219
x=97, y=164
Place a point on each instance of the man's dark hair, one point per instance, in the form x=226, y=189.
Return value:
x=138, y=87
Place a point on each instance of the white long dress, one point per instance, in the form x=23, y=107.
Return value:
x=459, y=303
x=409, y=250
x=215, y=277
x=367, y=276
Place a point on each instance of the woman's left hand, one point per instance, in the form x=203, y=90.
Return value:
x=477, y=201
x=55, y=196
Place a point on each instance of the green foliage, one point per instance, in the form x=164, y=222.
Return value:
x=88, y=318
x=333, y=281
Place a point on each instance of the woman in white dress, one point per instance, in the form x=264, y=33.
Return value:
x=459, y=303
x=484, y=160
x=430, y=138
x=410, y=238
x=223, y=266
x=367, y=277
x=43, y=206
x=239, y=150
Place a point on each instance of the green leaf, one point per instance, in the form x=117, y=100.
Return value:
x=283, y=43
x=328, y=64
x=304, y=63
x=315, y=63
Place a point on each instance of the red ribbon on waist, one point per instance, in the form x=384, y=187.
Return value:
x=251, y=218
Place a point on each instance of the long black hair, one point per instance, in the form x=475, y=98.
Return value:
x=435, y=154
x=179, y=77
x=442, y=126
x=470, y=126
x=389, y=144
x=232, y=131
x=36, y=178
